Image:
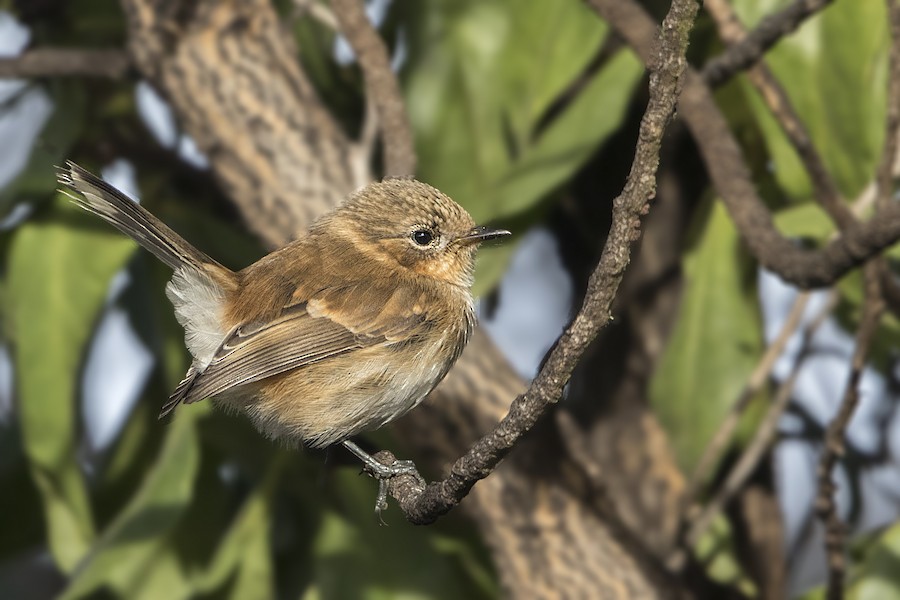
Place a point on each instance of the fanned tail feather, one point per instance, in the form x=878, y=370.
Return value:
x=100, y=198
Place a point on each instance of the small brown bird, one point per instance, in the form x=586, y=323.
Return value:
x=337, y=333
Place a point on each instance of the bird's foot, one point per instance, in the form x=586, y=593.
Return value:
x=383, y=473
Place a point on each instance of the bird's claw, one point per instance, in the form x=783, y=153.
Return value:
x=383, y=473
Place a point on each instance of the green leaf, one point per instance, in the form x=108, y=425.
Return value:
x=244, y=551
x=874, y=573
x=716, y=341
x=355, y=557
x=135, y=556
x=805, y=221
x=500, y=102
x=716, y=550
x=571, y=138
x=24, y=529
x=59, y=270
x=490, y=266
x=877, y=576
x=834, y=72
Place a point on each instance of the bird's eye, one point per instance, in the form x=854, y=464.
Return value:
x=422, y=237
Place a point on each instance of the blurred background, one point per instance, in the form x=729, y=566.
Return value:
x=525, y=112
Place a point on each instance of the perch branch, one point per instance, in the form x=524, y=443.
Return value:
x=424, y=505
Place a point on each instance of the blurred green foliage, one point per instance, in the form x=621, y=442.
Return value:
x=509, y=100
x=693, y=388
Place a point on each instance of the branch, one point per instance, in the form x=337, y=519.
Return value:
x=732, y=31
x=667, y=68
x=884, y=175
x=825, y=190
x=888, y=166
x=382, y=87
x=768, y=33
x=762, y=440
x=61, y=62
x=879, y=286
x=725, y=164
x=758, y=378
x=319, y=12
x=826, y=505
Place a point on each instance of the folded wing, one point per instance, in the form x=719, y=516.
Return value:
x=255, y=351
x=327, y=325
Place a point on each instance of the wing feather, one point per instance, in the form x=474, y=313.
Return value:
x=258, y=350
x=302, y=335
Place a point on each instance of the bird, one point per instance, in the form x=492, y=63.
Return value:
x=339, y=332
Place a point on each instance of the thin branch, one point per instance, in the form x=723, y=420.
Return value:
x=382, y=87
x=886, y=170
x=360, y=153
x=667, y=68
x=762, y=441
x=885, y=173
x=732, y=179
x=364, y=147
x=879, y=286
x=768, y=33
x=62, y=62
x=317, y=11
x=732, y=31
x=758, y=378
x=826, y=505
x=825, y=189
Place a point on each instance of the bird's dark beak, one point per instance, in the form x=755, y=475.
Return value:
x=480, y=234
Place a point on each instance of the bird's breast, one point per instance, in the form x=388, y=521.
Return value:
x=327, y=402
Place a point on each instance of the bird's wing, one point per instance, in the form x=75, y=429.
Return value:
x=302, y=334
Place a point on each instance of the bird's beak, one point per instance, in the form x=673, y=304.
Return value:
x=479, y=234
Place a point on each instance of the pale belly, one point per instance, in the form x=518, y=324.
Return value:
x=327, y=402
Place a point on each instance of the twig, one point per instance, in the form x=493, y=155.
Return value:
x=757, y=379
x=762, y=440
x=887, y=167
x=732, y=31
x=725, y=164
x=879, y=286
x=825, y=189
x=768, y=33
x=382, y=87
x=317, y=11
x=361, y=155
x=885, y=173
x=62, y=62
x=826, y=505
x=667, y=68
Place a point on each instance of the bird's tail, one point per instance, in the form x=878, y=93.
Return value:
x=96, y=196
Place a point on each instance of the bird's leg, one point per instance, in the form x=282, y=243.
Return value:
x=382, y=472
